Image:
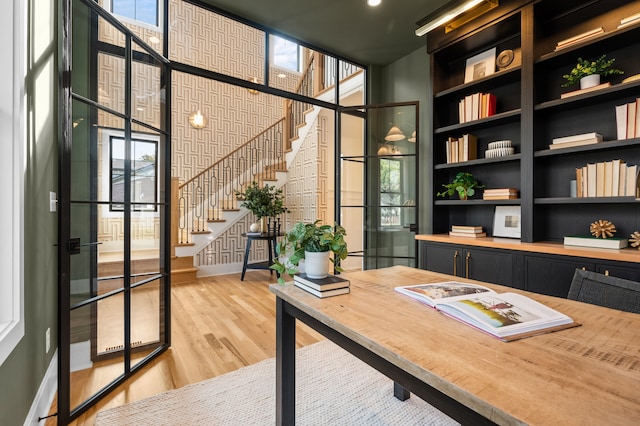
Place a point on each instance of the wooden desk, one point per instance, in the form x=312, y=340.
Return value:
x=584, y=375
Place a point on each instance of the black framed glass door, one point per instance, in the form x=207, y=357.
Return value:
x=379, y=181
x=114, y=284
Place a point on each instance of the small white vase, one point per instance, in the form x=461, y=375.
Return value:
x=589, y=81
x=316, y=265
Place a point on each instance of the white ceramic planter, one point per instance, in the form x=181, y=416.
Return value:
x=316, y=265
x=589, y=81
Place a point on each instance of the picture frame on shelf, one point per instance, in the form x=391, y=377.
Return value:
x=480, y=66
x=507, y=222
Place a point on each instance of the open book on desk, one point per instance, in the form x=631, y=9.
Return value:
x=507, y=316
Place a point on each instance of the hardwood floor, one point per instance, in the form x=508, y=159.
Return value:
x=219, y=324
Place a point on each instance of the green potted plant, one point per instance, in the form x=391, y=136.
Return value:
x=263, y=201
x=314, y=243
x=464, y=184
x=588, y=73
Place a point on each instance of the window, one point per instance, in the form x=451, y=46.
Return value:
x=139, y=10
x=390, y=192
x=286, y=54
x=144, y=184
x=13, y=134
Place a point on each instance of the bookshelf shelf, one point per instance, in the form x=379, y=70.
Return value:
x=531, y=113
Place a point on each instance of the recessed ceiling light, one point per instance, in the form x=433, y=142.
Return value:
x=373, y=2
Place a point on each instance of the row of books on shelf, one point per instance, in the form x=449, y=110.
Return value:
x=576, y=140
x=460, y=149
x=584, y=36
x=607, y=179
x=331, y=285
x=628, y=120
x=476, y=106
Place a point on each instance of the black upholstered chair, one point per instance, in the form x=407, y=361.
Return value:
x=603, y=290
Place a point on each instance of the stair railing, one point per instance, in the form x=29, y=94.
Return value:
x=203, y=198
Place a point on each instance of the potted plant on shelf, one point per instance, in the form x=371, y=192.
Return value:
x=314, y=243
x=464, y=184
x=263, y=201
x=588, y=73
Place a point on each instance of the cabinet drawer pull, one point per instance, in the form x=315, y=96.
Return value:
x=455, y=263
x=606, y=272
x=467, y=264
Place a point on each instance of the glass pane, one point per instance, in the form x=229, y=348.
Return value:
x=141, y=17
x=146, y=86
x=110, y=250
x=351, y=83
x=352, y=218
x=147, y=312
x=145, y=244
x=204, y=39
x=88, y=375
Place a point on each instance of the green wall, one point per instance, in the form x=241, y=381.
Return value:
x=407, y=80
x=22, y=372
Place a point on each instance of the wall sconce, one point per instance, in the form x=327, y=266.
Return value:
x=449, y=12
x=253, y=91
x=197, y=120
x=394, y=134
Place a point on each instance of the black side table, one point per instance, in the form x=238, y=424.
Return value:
x=271, y=238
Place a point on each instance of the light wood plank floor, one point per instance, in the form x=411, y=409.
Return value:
x=219, y=324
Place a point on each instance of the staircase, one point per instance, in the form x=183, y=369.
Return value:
x=205, y=207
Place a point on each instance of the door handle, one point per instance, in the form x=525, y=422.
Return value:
x=455, y=263
x=467, y=263
x=73, y=245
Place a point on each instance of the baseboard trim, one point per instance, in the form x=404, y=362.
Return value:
x=46, y=392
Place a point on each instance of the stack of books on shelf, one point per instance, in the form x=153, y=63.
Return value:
x=467, y=231
x=628, y=120
x=629, y=20
x=476, y=106
x=500, y=194
x=576, y=140
x=461, y=149
x=607, y=179
x=590, y=241
x=579, y=38
x=332, y=285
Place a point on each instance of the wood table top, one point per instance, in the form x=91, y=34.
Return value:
x=584, y=375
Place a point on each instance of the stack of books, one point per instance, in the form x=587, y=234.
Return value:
x=476, y=106
x=467, y=231
x=590, y=241
x=461, y=149
x=332, y=285
x=576, y=140
x=579, y=38
x=607, y=179
x=628, y=120
x=500, y=194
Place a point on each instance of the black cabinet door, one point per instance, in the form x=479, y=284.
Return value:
x=492, y=266
x=627, y=271
x=443, y=258
x=552, y=275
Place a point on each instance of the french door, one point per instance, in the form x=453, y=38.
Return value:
x=379, y=181
x=114, y=285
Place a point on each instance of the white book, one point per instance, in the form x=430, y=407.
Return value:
x=615, y=181
x=589, y=241
x=591, y=179
x=622, y=190
x=575, y=143
x=327, y=293
x=582, y=136
x=632, y=181
x=621, y=121
x=637, y=135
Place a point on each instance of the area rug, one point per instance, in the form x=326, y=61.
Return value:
x=332, y=388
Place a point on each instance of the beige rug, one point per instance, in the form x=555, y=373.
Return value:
x=332, y=388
